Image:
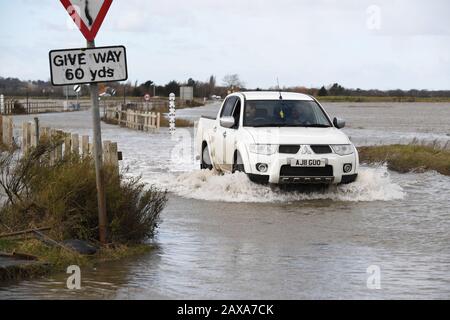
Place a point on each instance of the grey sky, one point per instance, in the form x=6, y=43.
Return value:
x=368, y=44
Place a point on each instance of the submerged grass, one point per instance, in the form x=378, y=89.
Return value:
x=381, y=99
x=179, y=123
x=56, y=259
x=405, y=158
x=59, y=258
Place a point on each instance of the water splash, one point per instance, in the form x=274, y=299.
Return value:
x=373, y=184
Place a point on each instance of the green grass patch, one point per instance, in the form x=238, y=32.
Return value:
x=405, y=158
x=179, y=123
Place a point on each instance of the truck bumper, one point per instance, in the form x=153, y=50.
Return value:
x=280, y=171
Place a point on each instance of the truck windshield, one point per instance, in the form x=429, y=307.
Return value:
x=284, y=113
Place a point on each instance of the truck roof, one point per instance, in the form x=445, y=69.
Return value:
x=274, y=95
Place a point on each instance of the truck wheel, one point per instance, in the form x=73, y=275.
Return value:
x=206, y=160
x=238, y=165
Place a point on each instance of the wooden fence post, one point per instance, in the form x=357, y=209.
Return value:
x=75, y=144
x=52, y=134
x=29, y=127
x=27, y=136
x=24, y=137
x=158, y=120
x=84, y=146
x=36, y=133
x=7, y=129
x=44, y=133
x=114, y=156
x=67, y=144
x=152, y=122
x=1, y=128
x=33, y=136
x=10, y=131
x=106, y=152
x=110, y=156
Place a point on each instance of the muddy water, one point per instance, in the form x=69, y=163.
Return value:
x=223, y=237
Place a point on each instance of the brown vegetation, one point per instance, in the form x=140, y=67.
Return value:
x=62, y=195
x=405, y=158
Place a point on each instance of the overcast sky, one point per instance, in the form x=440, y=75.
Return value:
x=384, y=44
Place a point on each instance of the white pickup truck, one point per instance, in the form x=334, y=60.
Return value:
x=277, y=137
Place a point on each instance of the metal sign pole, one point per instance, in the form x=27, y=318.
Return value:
x=98, y=157
x=67, y=97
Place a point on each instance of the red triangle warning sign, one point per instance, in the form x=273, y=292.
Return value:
x=88, y=15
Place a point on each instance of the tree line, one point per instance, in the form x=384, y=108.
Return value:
x=207, y=88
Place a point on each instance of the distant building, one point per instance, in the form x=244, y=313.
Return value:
x=186, y=93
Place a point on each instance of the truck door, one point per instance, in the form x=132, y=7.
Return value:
x=220, y=133
x=231, y=135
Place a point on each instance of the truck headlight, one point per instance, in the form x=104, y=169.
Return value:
x=342, y=149
x=266, y=149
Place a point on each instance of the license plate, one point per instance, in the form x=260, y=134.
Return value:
x=307, y=163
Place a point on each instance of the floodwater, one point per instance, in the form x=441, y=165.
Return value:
x=222, y=237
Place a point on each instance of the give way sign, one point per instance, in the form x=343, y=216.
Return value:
x=88, y=15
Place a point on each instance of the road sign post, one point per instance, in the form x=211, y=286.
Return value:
x=146, y=99
x=77, y=89
x=90, y=66
x=98, y=159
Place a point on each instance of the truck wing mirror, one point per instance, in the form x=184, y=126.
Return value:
x=339, y=123
x=227, y=122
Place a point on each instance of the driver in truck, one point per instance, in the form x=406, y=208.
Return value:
x=250, y=111
x=299, y=116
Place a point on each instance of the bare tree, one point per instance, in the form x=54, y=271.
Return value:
x=232, y=80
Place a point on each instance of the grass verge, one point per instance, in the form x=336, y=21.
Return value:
x=56, y=259
x=179, y=123
x=381, y=99
x=60, y=194
x=405, y=158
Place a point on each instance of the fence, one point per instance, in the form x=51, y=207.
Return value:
x=33, y=106
x=138, y=120
x=7, y=127
x=71, y=143
x=153, y=105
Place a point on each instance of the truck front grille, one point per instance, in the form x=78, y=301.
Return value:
x=289, y=148
x=294, y=148
x=321, y=148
